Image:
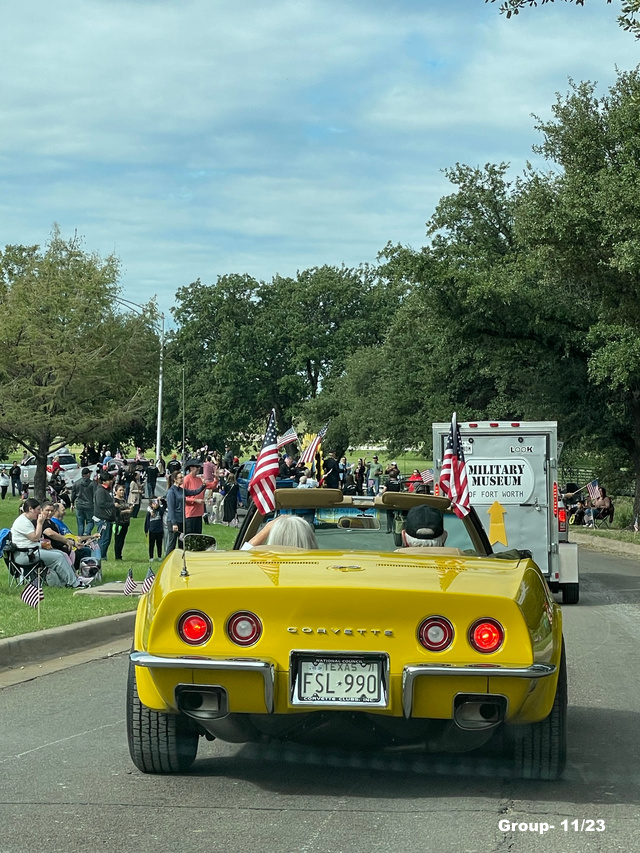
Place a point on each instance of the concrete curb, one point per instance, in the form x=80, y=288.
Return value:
x=609, y=546
x=52, y=642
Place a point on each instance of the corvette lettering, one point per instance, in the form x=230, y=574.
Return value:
x=349, y=632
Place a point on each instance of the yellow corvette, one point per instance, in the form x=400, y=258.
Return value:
x=372, y=633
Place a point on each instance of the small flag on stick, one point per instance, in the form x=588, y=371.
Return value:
x=147, y=583
x=129, y=584
x=635, y=525
x=427, y=476
x=32, y=594
x=594, y=490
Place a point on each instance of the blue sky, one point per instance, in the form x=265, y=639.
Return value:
x=195, y=138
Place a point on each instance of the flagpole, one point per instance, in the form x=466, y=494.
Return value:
x=39, y=587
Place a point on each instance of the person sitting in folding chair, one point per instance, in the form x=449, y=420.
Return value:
x=26, y=533
x=603, y=509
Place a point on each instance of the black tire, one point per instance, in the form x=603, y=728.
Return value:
x=540, y=749
x=158, y=743
x=570, y=593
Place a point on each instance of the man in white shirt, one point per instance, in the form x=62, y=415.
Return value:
x=26, y=532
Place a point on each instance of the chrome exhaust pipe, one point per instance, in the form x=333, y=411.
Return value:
x=201, y=702
x=475, y=711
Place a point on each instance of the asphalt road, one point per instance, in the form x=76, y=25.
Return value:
x=67, y=784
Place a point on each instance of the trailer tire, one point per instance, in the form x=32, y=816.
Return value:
x=570, y=593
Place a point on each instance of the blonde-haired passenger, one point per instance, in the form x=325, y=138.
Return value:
x=287, y=530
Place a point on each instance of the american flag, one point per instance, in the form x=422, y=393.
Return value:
x=594, y=490
x=129, y=585
x=147, y=583
x=635, y=525
x=310, y=453
x=32, y=595
x=262, y=485
x=287, y=438
x=453, y=475
x=427, y=476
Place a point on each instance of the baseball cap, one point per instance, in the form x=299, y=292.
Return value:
x=424, y=522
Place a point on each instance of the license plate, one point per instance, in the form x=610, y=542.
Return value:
x=340, y=681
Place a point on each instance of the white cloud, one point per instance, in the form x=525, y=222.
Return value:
x=201, y=138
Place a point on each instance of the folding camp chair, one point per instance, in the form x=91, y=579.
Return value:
x=20, y=574
x=603, y=517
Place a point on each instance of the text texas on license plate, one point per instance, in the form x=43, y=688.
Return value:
x=346, y=681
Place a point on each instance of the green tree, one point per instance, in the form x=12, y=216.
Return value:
x=236, y=355
x=628, y=17
x=249, y=346
x=526, y=303
x=71, y=367
x=585, y=217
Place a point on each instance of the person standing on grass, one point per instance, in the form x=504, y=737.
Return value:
x=374, y=471
x=123, y=517
x=152, y=479
x=15, y=475
x=104, y=512
x=175, y=508
x=153, y=527
x=4, y=482
x=230, y=503
x=135, y=495
x=82, y=496
x=194, y=498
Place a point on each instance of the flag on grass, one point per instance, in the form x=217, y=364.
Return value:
x=147, y=583
x=129, y=584
x=453, y=475
x=262, y=486
x=287, y=438
x=310, y=453
x=635, y=525
x=594, y=490
x=427, y=476
x=32, y=594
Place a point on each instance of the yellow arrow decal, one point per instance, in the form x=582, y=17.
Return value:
x=497, y=530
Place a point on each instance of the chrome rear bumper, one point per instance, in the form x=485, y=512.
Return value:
x=265, y=668
x=410, y=673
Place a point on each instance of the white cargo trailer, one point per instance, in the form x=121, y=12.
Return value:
x=513, y=485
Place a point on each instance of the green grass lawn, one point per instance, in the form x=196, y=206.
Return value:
x=61, y=606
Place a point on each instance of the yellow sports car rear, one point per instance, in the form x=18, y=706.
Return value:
x=376, y=644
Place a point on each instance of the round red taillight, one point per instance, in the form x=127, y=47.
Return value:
x=244, y=628
x=486, y=635
x=435, y=633
x=195, y=628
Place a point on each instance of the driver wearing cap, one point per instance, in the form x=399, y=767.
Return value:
x=424, y=528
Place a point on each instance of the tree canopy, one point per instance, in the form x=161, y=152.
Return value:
x=72, y=367
x=628, y=17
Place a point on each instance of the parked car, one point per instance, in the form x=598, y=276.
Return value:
x=356, y=643
x=68, y=462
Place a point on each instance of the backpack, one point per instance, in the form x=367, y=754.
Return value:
x=5, y=537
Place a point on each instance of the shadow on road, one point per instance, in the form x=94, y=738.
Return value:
x=603, y=767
